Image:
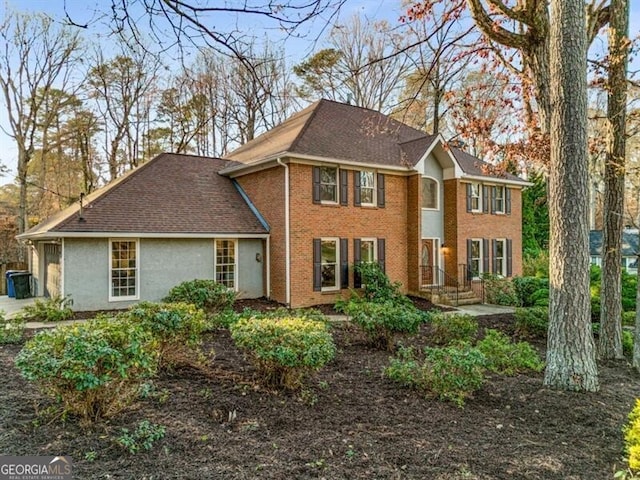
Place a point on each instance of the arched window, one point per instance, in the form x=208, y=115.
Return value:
x=430, y=192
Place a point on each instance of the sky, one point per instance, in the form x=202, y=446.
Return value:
x=95, y=13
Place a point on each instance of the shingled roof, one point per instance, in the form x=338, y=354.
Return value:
x=337, y=131
x=630, y=243
x=478, y=168
x=170, y=194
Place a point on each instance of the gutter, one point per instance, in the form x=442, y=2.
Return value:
x=287, y=233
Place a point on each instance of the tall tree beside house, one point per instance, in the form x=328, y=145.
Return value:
x=571, y=363
x=36, y=54
x=610, y=340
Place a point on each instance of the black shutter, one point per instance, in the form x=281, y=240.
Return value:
x=494, y=192
x=357, y=280
x=317, y=265
x=469, y=270
x=344, y=187
x=468, y=197
x=507, y=200
x=494, y=254
x=316, y=184
x=381, y=190
x=509, y=257
x=356, y=189
x=344, y=263
x=485, y=199
x=381, y=257
x=485, y=255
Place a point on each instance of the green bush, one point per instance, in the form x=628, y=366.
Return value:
x=451, y=328
x=282, y=312
x=381, y=322
x=206, y=294
x=531, y=291
x=94, y=369
x=627, y=343
x=629, y=287
x=284, y=350
x=54, y=309
x=632, y=438
x=506, y=357
x=532, y=322
x=142, y=438
x=377, y=287
x=177, y=328
x=451, y=373
x=499, y=290
x=536, y=265
x=11, y=329
x=629, y=319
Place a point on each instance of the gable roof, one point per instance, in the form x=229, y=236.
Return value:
x=171, y=194
x=475, y=167
x=338, y=131
x=630, y=243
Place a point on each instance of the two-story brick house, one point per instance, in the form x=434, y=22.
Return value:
x=287, y=215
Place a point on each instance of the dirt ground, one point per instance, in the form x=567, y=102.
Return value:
x=348, y=423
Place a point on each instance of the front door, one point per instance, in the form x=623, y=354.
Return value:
x=52, y=253
x=430, y=262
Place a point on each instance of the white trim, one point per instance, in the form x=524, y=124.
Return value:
x=374, y=197
x=287, y=233
x=375, y=247
x=503, y=273
x=337, y=185
x=336, y=287
x=62, y=268
x=437, y=208
x=480, y=198
x=503, y=209
x=236, y=272
x=113, y=298
x=480, y=258
x=494, y=180
x=60, y=235
x=267, y=266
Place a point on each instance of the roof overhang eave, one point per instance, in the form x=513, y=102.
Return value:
x=51, y=235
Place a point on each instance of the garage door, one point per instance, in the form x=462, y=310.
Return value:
x=52, y=269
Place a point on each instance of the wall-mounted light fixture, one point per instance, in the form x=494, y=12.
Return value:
x=258, y=257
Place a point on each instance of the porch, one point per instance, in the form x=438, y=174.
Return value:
x=443, y=288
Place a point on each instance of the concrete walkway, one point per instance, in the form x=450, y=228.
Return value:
x=11, y=306
x=482, y=309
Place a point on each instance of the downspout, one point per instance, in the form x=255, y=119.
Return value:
x=287, y=234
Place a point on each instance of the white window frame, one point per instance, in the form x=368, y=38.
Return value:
x=235, y=261
x=374, y=241
x=435, y=180
x=503, y=199
x=336, y=286
x=123, y=298
x=502, y=241
x=477, y=275
x=336, y=184
x=372, y=188
x=477, y=197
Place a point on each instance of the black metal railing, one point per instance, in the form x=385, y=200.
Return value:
x=437, y=281
x=471, y=281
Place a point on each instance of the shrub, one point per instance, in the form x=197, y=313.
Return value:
x=142, y=438
x=282, y=312
x=532, y=322
x=54, y=309
x=450, y=373
x=629, y=319
x=382, y=321
x=447, y=329
x=206, y=294
x=531, y=291
x=632, y=438
x=536, y=265
x=377, y=287
x=499, y=290
x=506, y=357
x=11, y=329
x=627, y=343
x=177, y=328
x=284, y=350
x=95, y=369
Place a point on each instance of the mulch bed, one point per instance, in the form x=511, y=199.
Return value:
x=348, y=423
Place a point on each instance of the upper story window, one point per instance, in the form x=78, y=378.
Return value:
x=498, y=199
x=475, y=197
x=329, y=184
x=367, y=187
x=124, y=269
x=429, y=193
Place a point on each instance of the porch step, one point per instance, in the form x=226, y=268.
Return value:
x=448, y=297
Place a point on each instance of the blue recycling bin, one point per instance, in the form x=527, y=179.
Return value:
x=11, y=289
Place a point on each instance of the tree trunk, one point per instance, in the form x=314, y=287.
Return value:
x=610, y=343
x=571, y=363
x=538, y=61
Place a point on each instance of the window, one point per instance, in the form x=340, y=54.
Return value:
x=500, y=257
x=476, y=197
x=329, y=264
x=329, y=184
x=367, y=188
x=475, y=256
x=368, y=250
x=498, y=200
x=124, y=269
x=225, y=257
x=429, y=193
